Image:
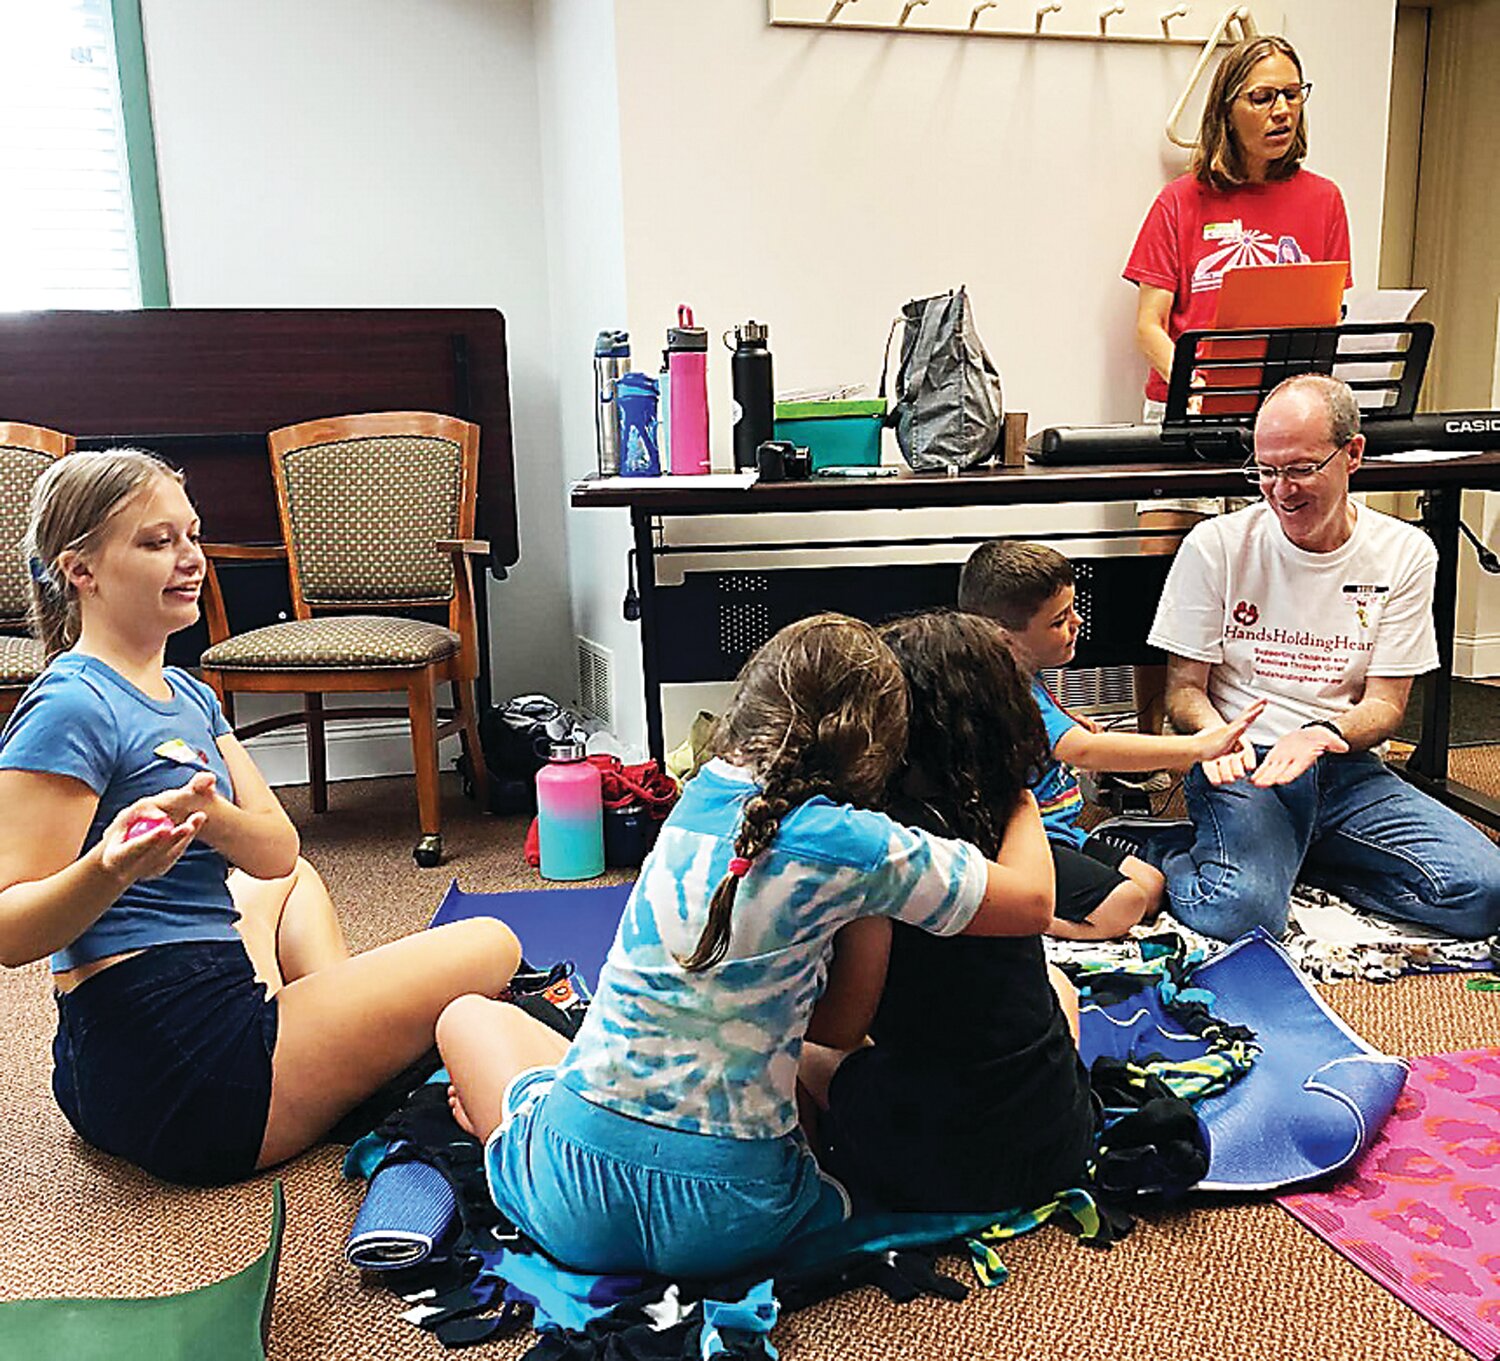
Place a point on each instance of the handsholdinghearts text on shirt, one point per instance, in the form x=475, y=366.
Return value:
x=1317, y=655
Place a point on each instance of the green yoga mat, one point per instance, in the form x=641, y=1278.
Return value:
x=227, y=1321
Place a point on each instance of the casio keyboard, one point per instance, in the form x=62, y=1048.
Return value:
x=1220, y=378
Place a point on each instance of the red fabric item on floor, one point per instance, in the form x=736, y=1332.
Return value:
x=646, y=784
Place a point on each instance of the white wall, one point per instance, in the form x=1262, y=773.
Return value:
x=580, y=128
x=379, y=153
x=816, y=180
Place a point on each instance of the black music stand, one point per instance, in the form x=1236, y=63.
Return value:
x=1220, y=378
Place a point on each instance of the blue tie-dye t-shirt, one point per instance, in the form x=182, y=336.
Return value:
x=716, y=1052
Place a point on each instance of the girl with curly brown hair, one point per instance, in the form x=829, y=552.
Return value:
x=666, y=1137
x=972, y=1096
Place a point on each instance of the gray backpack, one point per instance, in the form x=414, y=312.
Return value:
x=947, y=412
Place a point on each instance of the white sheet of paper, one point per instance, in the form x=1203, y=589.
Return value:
x=1338, y=927
x=740, y=481
x=1381, y=304
x=1421, y=455
x=1373, y=305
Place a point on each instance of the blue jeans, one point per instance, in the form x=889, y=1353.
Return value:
x=1348, y=825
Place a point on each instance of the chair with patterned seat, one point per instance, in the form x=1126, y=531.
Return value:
x=377, y=518
x=26, y=452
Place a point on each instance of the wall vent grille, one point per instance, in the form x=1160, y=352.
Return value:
x=596, y=682
x=1093, y=689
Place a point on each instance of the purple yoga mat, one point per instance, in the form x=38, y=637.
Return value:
x=553, y=924
x=1421, y=1210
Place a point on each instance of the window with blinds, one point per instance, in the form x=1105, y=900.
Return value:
x=67, y=236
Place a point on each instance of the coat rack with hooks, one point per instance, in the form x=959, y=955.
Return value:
x=1111, y=21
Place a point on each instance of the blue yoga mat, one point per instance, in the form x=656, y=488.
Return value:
x=1317, y=1095
x=407, y=1211
x=553, y=923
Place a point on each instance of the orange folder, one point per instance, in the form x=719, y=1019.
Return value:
x=1266, y=296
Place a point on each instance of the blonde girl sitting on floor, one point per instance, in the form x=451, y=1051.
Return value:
x=210, y=1020
x=666, y=1139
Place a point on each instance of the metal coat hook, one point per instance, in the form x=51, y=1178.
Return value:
x=906, y=10
x=1044, y=10
x=1106, y=14
x=1180, y=12
x=834, y=12
x=980, y=9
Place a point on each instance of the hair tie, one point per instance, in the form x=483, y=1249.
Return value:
x=739, y=866
x=40, y=572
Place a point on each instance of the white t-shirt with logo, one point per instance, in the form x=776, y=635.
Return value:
x=1303, y=630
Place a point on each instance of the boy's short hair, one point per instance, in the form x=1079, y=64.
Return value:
x=1009, y=582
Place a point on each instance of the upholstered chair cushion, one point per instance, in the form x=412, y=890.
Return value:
x=337, y=642
x=20, y=660
x=19, y=470
x=366, y=515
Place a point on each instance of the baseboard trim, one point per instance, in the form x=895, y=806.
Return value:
x=1475, y=657
x=358, y=749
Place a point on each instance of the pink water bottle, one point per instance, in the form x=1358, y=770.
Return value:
x=570, y=815
x=687, y=363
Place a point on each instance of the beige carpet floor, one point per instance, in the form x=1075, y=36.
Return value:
x=1220, y=1281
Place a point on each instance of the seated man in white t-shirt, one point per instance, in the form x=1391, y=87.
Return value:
x=1323, y=607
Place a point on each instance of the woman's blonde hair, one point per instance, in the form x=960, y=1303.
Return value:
x=71, y=507
x=820, y=709
x=1219, y=160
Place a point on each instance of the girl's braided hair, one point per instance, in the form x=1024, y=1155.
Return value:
x=819, y=709
x=975, y=738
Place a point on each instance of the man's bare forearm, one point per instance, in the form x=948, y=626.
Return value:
x=1190, y=708
x=1369, y=723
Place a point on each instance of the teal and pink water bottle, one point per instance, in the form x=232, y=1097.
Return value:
x=570, y=815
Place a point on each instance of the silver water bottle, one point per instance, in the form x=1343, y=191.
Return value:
x=611, y=360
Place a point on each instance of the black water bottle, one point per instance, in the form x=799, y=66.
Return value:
x=754, y=400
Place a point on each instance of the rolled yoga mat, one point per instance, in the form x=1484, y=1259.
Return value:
x=407, y=1211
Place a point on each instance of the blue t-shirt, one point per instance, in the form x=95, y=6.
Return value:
x=81, y=718
x=716, y=1052
x=1057, y=793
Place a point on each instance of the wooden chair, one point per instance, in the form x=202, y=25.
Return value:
x=377, y=514
x=26, y=452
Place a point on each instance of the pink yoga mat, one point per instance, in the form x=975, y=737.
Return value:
x=1421, y=1210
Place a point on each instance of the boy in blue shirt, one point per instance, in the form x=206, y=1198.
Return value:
x=1102, y=890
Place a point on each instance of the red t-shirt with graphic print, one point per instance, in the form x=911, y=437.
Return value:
x=1195, y=232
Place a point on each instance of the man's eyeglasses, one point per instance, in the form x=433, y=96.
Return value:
x=1263, y=96
x=1265, y=475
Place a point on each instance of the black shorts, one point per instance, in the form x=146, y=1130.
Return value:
x=910, y=1132
x=1084, y=878
x=164, y=1059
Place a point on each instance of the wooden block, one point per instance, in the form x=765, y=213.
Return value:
x=1015, y=439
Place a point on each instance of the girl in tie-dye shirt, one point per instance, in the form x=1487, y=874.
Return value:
x=665, y=1139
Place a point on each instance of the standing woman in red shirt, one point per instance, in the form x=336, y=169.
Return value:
x=1245, y=200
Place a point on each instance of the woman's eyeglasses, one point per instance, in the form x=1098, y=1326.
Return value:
x=1263, y=96
x=1264, y=475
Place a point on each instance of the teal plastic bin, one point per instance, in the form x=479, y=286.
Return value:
x=837, y=434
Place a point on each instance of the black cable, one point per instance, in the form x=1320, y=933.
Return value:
x=631, y=608
x=1487, y=559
